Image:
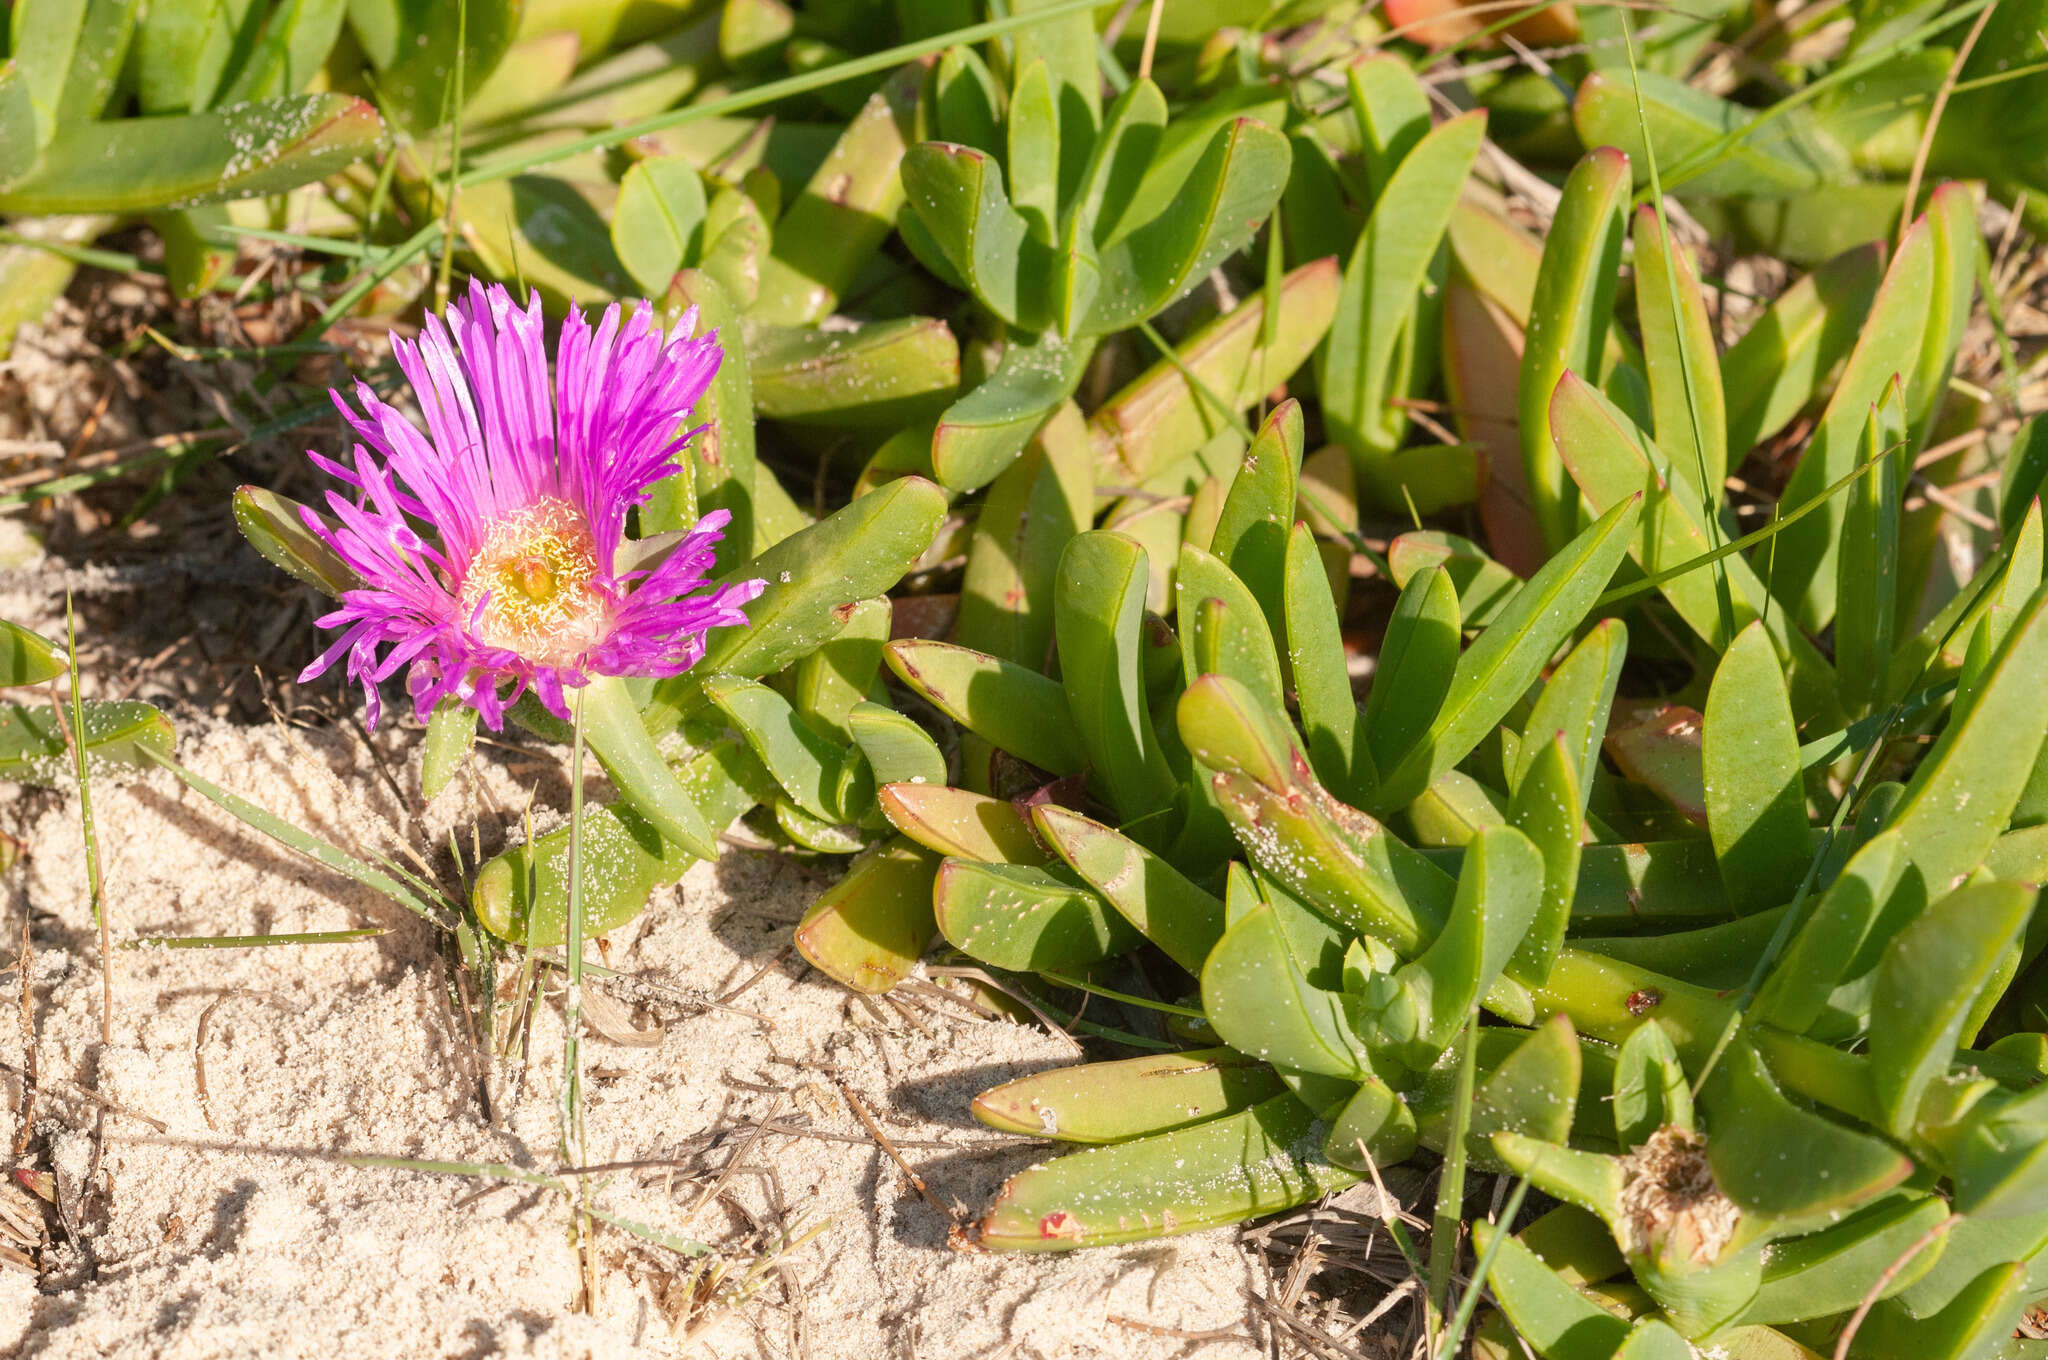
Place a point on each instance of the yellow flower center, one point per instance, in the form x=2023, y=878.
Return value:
x=534, y=577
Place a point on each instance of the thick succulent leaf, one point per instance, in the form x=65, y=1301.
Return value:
x=1972, y=1327
x=1927, y=985
x=1162, y=903
x=1114, y=1102
x=1763, y=1148
x=982, y=433
x=1500, y=888
x=1651, y=1089
x=1803, y=561
x=1830, y=1271
x=1575, y=704
x=1257, y=512
x=1161, y=416
x=1037, y=504
x=868, y=929
x=1558, y=1321
x=1257, y=1161
x=1417, y=660
x=1749, y=756
x=28, y=658
x=1679, y=359
x=957, y=194
x=962, y=825
x=1498, y=669
x=658, y=222
x=878, y=374
x=138, y=164
x=1216, y=208
x=292, y=47
x=832, y=230
x=718, y=471
x=1330, y=717
x=1484, y=586
x=1098, y=610
x=1866, y=574
x=809, y=766
x=1574, y=299
x=1222, y=631
x=858, y=551
x=1548, y=809
x=1258, y=997
x=1786, y=156
x=1011, y=706
x=451, y=736
x=1023, y=918
x=421, y=80
x=841, y=672
x=1963, y=792
x=898, y=751
x=623, y=745
x=1820, y=956
x=1778, y=365
x=119, y=733
x=522, y=895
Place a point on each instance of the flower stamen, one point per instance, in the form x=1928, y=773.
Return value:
x=531, y=588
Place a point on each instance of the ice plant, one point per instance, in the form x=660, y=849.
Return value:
x=492, y=548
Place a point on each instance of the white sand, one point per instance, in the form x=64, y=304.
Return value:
x=235, y=1232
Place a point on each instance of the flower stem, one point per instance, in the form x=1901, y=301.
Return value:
x=573, y=1150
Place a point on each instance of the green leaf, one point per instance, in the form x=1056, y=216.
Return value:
x=1113, y=1102
x=880, y=374
x=1963, y=792
x=841, y=672
x=1024, y=918
x=1827, y=946
x=1866, y=573
x=809, y=766
x=1970, y=1328
x=421, y=80
x=1774, y=370
x=1034, y=149
x=623, y=745
x=1361, y=375
x=1330, y=718
x=1785, y=156
x=1926, y=986
x=898, y=751
x=957, y=194
x=293, y=46
x=1830, y=1271
x=1558, y=1321
x=1958, y=242
x=718, y=471
x=1749, y=757
x=835, y=227
x=982, y=433
x=119, y=733
x=1222, y=630
x=1337, y=858
x=1098, y=607
x=1498, y=669
x=1417, y=660
x=1258, y=997
x=1500, y=887
x=28, y=658
x=867, y=930
x=1016, y=709
x=1166, y=412
x=1252, y=529
x=860, y=550
x=962, y=825
x=1763, y=1148
x=1650, y=1087
x=1215, y=210
x=1223, y=1171
x=1484, y=586
x=1033, y=508
x=1680, y=360
x=1575, y=704
x=137, y=164
x=1569, y=314
x=1161, y=902
x=1803, y=561
x=451, y=736
x=658, y=223
x=1547, y=808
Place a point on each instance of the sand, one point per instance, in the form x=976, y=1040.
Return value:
x=234, y=1230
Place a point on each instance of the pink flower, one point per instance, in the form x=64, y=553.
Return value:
x=492, y=549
